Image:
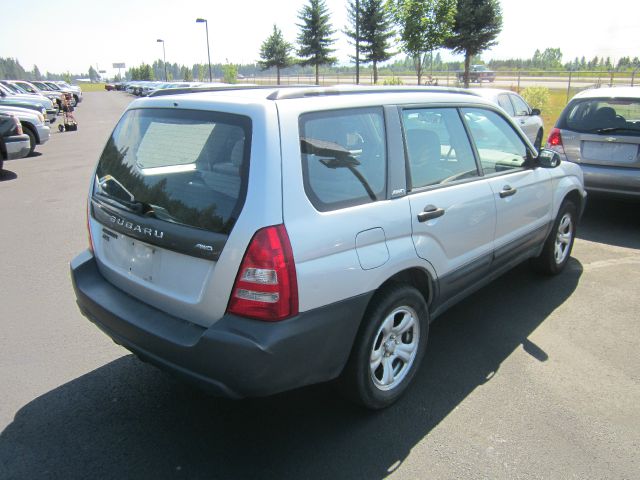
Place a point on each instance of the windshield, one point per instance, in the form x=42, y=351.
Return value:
x=602, y=115
x=185, y=166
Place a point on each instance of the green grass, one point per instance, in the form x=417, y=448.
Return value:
x=553, y=109
x=92, y=87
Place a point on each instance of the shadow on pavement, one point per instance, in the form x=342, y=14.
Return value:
x=612, y=222
x=6, y=175
x=128, y=420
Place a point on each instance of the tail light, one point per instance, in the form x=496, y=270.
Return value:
x=89, y=225
x=19, y=130
x=555, y=141
x=266, y=287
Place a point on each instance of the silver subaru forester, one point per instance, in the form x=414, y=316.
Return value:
x=255, y=240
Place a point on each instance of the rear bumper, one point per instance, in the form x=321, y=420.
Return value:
x=17, y=146
x=52, y=114
x=236, y=357
x=612, y=181
x=44, y=132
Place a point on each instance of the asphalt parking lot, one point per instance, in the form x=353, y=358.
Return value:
x=531, y=377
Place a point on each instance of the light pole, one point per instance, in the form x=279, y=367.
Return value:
x=206, y=26
x=164, y=59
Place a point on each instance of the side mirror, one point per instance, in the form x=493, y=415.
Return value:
x=548, y=159
x=535, y=111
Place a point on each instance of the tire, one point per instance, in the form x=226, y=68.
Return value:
x=538, y=142
x=557, y=248
x=393, y=335
x=33, y=141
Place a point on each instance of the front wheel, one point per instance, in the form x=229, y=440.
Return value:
x=389, y=347
x=558, y=246
x=33, y=141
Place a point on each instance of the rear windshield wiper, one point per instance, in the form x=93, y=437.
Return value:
x=336, y=157
x=615, y=129
x=138, y=207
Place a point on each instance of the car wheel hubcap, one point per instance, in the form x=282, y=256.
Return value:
x=563, y=238
x=394, y=348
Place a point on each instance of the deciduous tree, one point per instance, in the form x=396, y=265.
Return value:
x=424, y=26
x=477, y=25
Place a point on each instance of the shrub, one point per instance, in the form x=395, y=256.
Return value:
x=536, y=97
x=392, y=81
x=230, y=73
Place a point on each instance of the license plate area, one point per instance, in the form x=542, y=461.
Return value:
x=132, y=256
x=610, y=152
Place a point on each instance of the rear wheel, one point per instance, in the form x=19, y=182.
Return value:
x=389, y=347
x=557, y=248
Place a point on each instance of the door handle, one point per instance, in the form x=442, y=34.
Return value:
x=507, y=191
x=429, y=213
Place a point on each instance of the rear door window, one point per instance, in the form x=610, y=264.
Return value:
x=344, y=157
x=187, y=167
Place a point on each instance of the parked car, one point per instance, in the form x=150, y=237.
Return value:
x=51, y=92
x=599, y=130
x=13, y=142
x=27, y=87
x=257, y=240
x=36, y=102
x=527, y=118
x=33, y=123
x=75, y=90
x=478, y=74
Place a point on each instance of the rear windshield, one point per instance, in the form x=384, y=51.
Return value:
x=599, y=115
x=184, y=166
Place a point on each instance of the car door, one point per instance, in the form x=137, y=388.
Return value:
x=522, y=113
x=523, y=194
x=452, y=207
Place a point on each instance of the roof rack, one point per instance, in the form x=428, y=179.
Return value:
x=358, y=90
x=287, y=92
x=218, y=88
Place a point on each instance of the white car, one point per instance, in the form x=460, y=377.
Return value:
x=33, y=124
x=527, y=118
x=76, y=91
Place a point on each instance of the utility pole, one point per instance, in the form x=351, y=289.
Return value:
x=357, y=42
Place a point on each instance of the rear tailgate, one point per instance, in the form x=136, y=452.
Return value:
x=168, y=191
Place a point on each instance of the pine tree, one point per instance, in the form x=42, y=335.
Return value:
x=315, y=36
x=375, y=31
x=274, y=52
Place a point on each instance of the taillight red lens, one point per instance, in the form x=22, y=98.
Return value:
x=19, y=130
x=555, y=139
x=89, y=226
x=266, y=287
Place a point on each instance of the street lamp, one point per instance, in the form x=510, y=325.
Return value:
x=206, y=26
x=164, y=59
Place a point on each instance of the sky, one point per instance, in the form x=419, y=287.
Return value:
x=73, y=34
